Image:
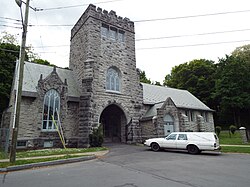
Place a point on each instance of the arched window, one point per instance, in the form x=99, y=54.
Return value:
x=113, y=80
x=51, y=107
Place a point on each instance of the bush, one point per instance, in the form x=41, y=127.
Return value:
x=218, y=130
x=232, y=129
x=96, y=137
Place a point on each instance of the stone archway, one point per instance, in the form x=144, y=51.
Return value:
x=113, y=121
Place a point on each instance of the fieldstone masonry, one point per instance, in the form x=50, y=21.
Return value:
x=92, y=54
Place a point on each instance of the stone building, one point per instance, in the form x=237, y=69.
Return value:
x=101, y=86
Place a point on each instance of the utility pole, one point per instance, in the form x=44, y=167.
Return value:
x=20, y=83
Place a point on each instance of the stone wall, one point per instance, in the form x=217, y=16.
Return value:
x=148, y=129
x=91, y=55
x=155, y=128
x=30, y=126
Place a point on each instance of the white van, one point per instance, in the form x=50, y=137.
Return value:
x=193, y=142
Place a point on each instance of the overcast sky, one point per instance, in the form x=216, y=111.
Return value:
x=186, y=37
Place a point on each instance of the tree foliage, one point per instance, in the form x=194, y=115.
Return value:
x=242, y=52
x=224, y=86
x=196, y=76
x=9, y=53
x=143, y=77
x=5, y=37
x=232, y=87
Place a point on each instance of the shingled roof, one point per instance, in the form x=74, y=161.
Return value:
x=32, y=72
x=153, y=94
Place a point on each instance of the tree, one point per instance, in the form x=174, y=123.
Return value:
x=196, y=76
x=143, y=77
x=9, y=53
x=242, y=52
x=41, y=61
x=157, y=83
x=233, y=87
x=8, y=38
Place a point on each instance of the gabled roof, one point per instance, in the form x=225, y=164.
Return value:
x=153, y=94
x=32, y=72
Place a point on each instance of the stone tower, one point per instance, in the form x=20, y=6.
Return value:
x=102, y=55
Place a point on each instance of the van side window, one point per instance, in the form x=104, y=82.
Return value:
x=171, y=137
x=182, y=137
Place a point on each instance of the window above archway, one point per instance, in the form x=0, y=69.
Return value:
x=113, y=82
x=51, y=107
x=168, y=118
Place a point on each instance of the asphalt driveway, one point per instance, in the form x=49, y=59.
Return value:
x=137, y=166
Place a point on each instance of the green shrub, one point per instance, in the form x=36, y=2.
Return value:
x=218, y=130
x=96, y=137
x=232, y=129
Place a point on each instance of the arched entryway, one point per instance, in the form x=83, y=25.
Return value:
x=113, y=121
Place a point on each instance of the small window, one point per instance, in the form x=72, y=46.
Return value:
x=191, y=116
x=171, y=137
x=48, y=144
x=205, y=116
x=112, y=33
x=104, y=30
x=21, y=143
x=121, y=36
x=182, y=137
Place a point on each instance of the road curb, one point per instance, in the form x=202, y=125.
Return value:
x=49, y=163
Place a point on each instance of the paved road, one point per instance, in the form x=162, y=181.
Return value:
x=135, y=166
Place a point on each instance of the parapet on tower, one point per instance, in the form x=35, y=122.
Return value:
x=107, y=17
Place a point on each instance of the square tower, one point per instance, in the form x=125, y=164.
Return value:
x=102, y=56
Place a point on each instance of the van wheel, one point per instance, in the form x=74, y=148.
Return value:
x=192, y=149
x=155, y=147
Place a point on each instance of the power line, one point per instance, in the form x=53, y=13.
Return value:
x=50, y=46
x=192, y=45
x=11, y=19
x=150, y=48
x=3, y=25
x=164, y=37
x=9, y=50
x=157, y=19
x=75, y=6
x=193, y=16
x=39, y=31
x=52, y=25
x=10, y=22
x=197, y=34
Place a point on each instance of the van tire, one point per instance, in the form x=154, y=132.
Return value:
x=193, y=149
x=155, y=146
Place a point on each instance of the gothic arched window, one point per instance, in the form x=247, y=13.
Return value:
x=113, y=82
x=51, y=107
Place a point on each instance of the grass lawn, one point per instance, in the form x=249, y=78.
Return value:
x=46, y=152
x=234, y=149
x=22, y=162
x=233, y=139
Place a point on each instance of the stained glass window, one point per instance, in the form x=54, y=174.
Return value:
x=51, y=107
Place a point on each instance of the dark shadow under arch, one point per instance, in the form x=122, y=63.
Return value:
x=113, y=121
